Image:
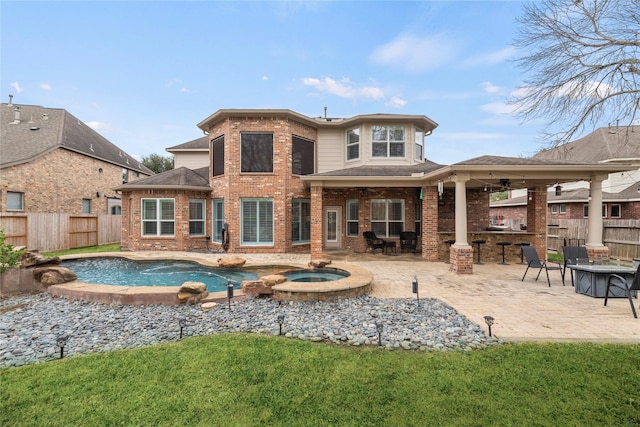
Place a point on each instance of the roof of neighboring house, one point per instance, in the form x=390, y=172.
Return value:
x=515, y=161
x=200, y=144
x=40, y=130
x=577, y=195
x=621, y=143
x=175, y=179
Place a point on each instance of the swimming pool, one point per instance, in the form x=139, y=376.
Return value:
x=127, y=272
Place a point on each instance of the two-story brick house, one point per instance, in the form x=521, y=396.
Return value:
x=51, y=162
x=279, y=181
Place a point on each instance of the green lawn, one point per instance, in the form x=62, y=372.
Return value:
x=113, y=247
x=246, y=380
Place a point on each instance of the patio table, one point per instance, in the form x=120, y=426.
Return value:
x=592, y=279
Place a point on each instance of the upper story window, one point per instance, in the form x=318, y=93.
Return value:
x=125, y=176
x=15, y=201
x=217, y=150
x=615, y=211
x=419, y=144
x=303, y=159
x=353, y=144
x=256, y=152
x=387, y=141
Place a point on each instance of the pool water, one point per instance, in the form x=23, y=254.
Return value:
x=125, y=272
x=318, y=275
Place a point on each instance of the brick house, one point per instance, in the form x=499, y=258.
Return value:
x=51, y=162
x=620, y=190
x=279, y=181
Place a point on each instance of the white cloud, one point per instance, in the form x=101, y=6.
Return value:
x=184, y=90
x=416, y=54
x=45, y=86
x=490, y=58
x=492, y=89
x=499, y=108
x=16, y=86
x=343, y=88
x=265, y=78
x=396, y=102
x=98, y=126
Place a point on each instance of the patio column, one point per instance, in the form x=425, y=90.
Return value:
x=429, y=231
x=316, y=221
x=461, y=256
x=537, y=218
x=595, y=248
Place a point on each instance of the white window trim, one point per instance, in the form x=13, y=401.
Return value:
x=300, y=222
x=157, y=220
x=421, y=144
x=21, y=196
x=217, y=221
x=388, y=142
x=348, y=145
x=258, y=243
x=203, y=211
x=387, y=202
x=351, y=220
x=619, y=210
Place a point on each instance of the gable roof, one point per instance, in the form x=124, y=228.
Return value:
x=181, y=178
x=40, y=130
x=619, y=143
x=200, y=144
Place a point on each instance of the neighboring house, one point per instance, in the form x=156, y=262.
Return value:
x=279, y=181
x=193, y=154
x=620, y=191
x=51, y=162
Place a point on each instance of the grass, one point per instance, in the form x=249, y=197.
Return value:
x=114, y=247
x=247, y=380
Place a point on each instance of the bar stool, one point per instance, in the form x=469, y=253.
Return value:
x=521, y=244
x=479, y=242
x=449, y=242
x=503, y=244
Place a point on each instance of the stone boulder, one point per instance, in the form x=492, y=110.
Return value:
x=254, y=288
x=231, y=262
x=273, y=279
x=319, y=263
x=33, y=258
x=54, y=275
x=192, y=292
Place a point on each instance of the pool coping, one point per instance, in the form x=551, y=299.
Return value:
x=357, y=283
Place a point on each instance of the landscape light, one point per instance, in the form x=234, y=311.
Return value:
x=229, y=293
x=489, y=321
x=280, y=322
x=182, y=322
x=414, y=288
x=62, y=341
x=379, y=327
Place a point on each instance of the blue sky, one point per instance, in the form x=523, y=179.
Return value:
x=143, y=74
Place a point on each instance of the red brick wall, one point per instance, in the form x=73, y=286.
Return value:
x=477, y=210
x=58, y=181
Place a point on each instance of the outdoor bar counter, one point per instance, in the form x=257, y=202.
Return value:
x=490, y=251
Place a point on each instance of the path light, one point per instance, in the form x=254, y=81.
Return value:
x=280, y=322
x=62, y=341
x=489, y=321
x=229, y=293
x=379, y=327
x=414, y=288
x=182, y=322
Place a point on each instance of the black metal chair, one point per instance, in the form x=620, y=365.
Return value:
x=620, y=282
x=571, y=256
x=408, y=241
x=533, y=261
x=374, y=242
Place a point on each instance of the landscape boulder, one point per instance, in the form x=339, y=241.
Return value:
x=273, y=279
x=33, y=258
x=54, y=275
x=254, y=288
x=319, y=263
x=231, y=262
x=192, y=292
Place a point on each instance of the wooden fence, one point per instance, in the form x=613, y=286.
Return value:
x=622, y=236
x=54, y=232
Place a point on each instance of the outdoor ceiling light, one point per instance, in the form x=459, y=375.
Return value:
x=280, y=322
x=62, y=341
x=489, y=321
x=379, y=327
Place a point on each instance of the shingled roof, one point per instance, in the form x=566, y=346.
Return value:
x=199, y=144
x=175, y=179
x=604, y=144
x=40, y=130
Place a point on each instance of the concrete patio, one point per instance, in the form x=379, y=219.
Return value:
x=523, y=311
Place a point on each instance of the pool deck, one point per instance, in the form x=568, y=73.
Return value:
x=523, y=311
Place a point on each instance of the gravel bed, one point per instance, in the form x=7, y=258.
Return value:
x=31, y=325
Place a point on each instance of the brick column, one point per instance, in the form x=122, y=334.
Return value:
x=429, y=231
x=316, y=221
x=537, y=218
x=461, y=259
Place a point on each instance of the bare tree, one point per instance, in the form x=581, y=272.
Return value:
x=582, y=64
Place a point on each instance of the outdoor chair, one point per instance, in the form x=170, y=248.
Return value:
x=571, y=256
x=408, y=241
x=620, y=282
x=373, y=242
x=533, y=261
